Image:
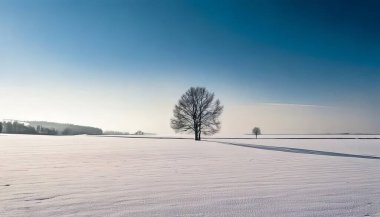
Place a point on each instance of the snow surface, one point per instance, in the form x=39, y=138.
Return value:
x=114, y=176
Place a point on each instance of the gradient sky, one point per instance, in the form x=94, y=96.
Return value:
x=288, y=66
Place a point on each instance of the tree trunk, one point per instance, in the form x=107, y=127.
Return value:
x=199, y=131
x=196, y=132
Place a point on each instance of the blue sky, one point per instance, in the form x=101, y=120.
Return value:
x=116, y=64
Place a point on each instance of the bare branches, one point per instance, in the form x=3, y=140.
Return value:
x=197, y=112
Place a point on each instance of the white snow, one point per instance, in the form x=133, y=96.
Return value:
x=113, y=176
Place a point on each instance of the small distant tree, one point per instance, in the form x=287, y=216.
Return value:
x=197, y=112
x=256, y=131
x=139, y=132
x=1, y=127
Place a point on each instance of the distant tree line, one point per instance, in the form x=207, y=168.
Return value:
x=14, y=127
x=78, y=130
x=67, y=129
x=139, y=132
x=109, y=132
x=46, y=131
x=46, y=128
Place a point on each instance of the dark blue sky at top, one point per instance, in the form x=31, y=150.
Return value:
x=287, y=51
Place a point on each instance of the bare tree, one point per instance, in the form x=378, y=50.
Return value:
x=197, y=112
x=256, y=131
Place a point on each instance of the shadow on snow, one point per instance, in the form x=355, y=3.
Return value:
x=265, y=147
x=298, y=150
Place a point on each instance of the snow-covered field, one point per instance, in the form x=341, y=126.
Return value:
x=113, y=176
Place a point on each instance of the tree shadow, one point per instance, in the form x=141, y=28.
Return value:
x=299, y=150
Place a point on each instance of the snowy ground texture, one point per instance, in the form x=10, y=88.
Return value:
x=111, y=176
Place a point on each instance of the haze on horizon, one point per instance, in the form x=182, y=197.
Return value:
x=286, y=66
